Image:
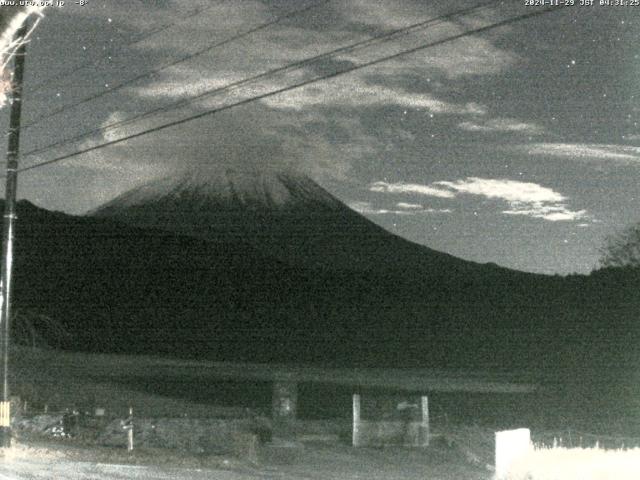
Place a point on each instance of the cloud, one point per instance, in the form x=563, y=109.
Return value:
x=552, y=213
x=180, y=83
x=512, y=191
x=386, y=14
x=470, y=56
x=342, y=92
x=326, y=129
x=345, y=93
x=582, y=151
x=409, y=206
x=253, y=139
x=524, y=198
x=401, y=187
x=467, y=56
x=294, y=40
x=502, y=125
x=366, y=208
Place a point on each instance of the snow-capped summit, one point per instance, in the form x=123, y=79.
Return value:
x=256, y=190
x=283, y=214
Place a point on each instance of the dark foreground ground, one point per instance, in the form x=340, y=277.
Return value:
x=445, y=459
x=54, y=382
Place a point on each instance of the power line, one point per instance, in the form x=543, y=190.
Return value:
x=173, y=63
x=295, y=86
x=141, y=38
x=303, y=62
x=501, y=23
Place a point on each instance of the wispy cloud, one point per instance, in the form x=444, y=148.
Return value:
x=504, y=189
x=252, y=140
x=553, y=213
x=583, y=151
x=502, y=125
x=366, y=208
x=524, y=198
x=411, y=188
x=294, y=41
x=473, y=55
x=343, y=93
x=409, y=206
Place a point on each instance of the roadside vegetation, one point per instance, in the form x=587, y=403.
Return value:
x=562, y=463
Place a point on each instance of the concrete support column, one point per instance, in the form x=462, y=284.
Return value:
x=355, y=433
x=424, y=424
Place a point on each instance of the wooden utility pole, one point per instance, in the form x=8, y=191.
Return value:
x=8, y=234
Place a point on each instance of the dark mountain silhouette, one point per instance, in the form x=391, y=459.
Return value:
x=279, y=270
x=283, y=215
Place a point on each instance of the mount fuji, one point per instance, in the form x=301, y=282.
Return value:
x=282, y=214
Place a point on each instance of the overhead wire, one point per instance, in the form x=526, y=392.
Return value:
x=301, y=84
x=173, y=63
x=225, y=88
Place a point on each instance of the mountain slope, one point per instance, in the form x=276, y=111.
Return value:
x=360, y=285
x=120, y=288
x=124, y=289
x=283, y=215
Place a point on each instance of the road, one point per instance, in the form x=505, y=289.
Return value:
x=29, y=469
x=314, y=463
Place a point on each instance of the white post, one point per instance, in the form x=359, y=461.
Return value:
x=511, y=446
x=130, y=440
x=424, y=401
x=355, y=438
x=130, y=431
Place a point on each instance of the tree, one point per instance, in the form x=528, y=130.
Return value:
x=11, y=17
x=622, y=249
x=34, y=329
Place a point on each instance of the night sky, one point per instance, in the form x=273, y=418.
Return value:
x=518, y=146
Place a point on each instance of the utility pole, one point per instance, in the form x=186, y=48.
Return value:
x=8, y=235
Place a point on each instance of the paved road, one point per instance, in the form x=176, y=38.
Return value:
x=371, y=464
x=313, y=462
